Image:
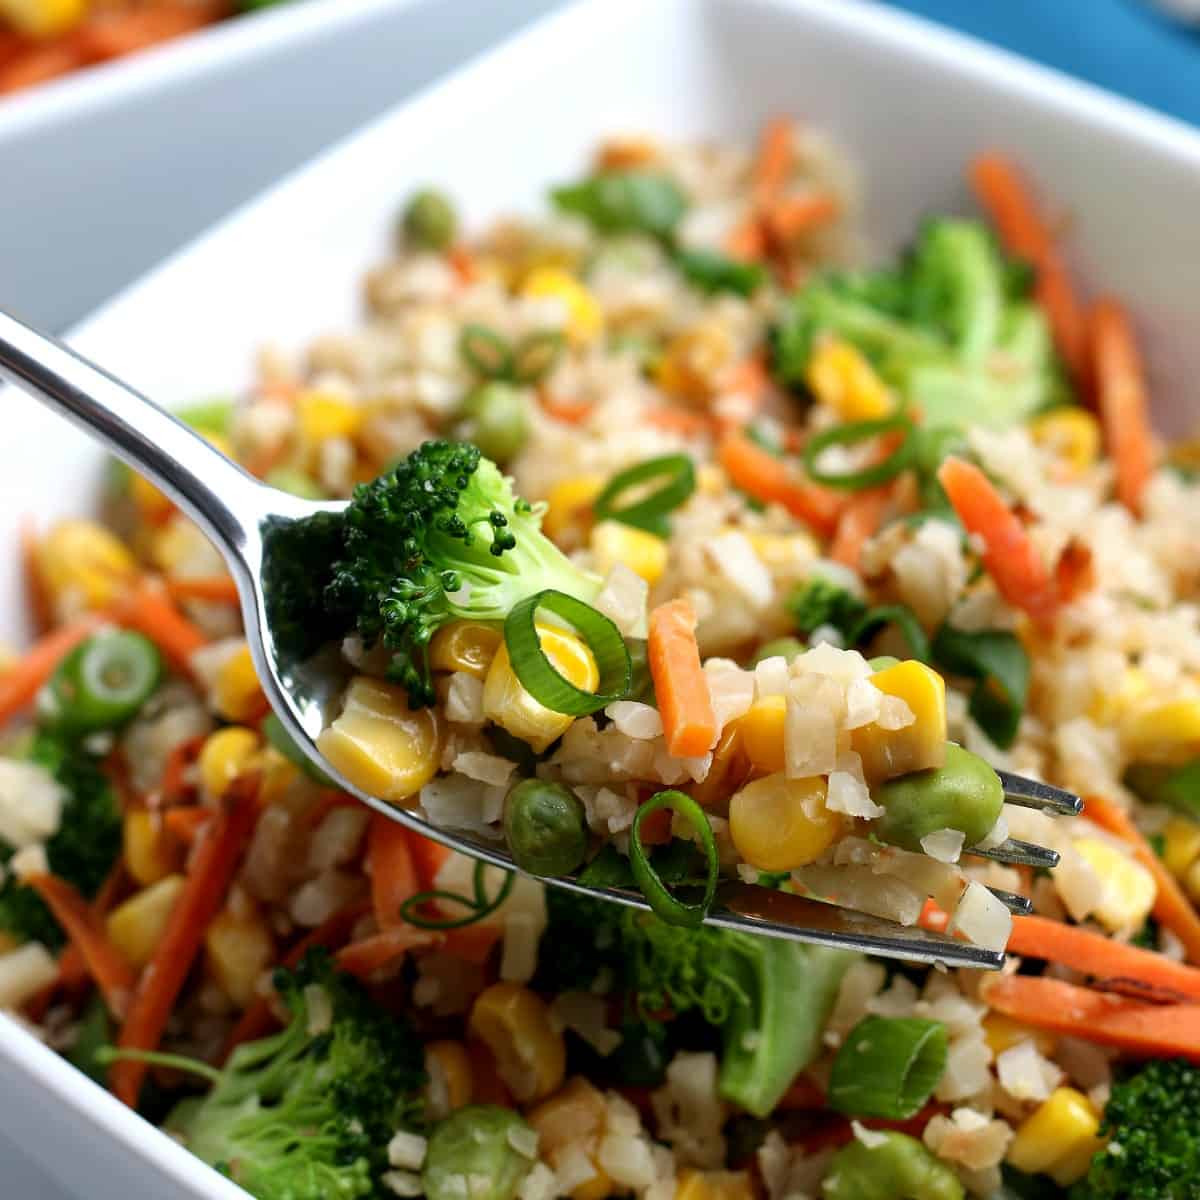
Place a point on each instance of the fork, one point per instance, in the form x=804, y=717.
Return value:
x=252, y=524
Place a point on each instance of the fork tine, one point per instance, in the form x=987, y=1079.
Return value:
x=1031, y=793
x=1018, y=853
x=1021, y=905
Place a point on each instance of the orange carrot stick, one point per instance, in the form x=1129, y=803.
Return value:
x=684, y=421
x=747, y=241
x=20, y=684
x=1001, y=191
x=1009, y=554
x=380, y=951
x=472, y=943
x=684, y=701
x=219, y=589
x=803, y=1095
x=182, y=755
x=1171, y=907
x=186, y=823
x=860, y=521
x=40, y=63
x=565, y=409
x=35, y=585
x=776, y=153
x=774, y=481
x=787, y=219
x=1121, y=398
x=391, y=869
x=148, y=610
x=104, y=962
x=428, y=858
x=209, y=875
x=111, y=35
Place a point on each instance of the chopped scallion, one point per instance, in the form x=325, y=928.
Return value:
x=666, y=905
x=888, y=1067
x=900, y=459
x=650, y=512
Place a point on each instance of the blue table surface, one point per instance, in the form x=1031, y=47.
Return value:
x=1126, y=46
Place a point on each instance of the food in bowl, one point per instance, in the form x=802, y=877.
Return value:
x=805, y=552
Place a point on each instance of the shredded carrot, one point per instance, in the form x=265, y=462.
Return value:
x=684, y=421
x=776, y=153
x=35, y=584
x=384, y=950
x=1001, y=191
x=774, y=481
x=218, y=589
x=209, y=875
x=747, y=241
x=472, y=943
x=561, y=408
x=148, y=609
x=105, y=963
x=326, y=804
x=680, y=686
x=463, y=264
x=182, y=755
x=788, y=219
x=39, y=63
x=20, y=683
x=933, y=916
x=803, y=1095
x=186, y=823
x=1171, y=907
x=1009, y=554
x=656, y=828
x=428, y=858
x=390, y=866
x=1075, y=572
x=117, y=33
x=860, y=521
x=1122, y=400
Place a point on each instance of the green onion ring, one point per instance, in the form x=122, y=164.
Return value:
x=667, y=907
x=851, y=434
x=479, y=907
x=486, y=351
x=536, y=354
x=651, y=512
x=903, y=618
x=888, y=1067
x=538, y=675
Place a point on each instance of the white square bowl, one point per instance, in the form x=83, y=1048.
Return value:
x=910, y=102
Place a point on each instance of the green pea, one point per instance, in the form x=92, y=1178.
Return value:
x=784, y=647
x=881, y=662
x=546, y=827
x=495, y=416
x=279, y=737
x=430, y=220
x=101, y=684
x=474, y=1145
x=964, y=794
x=899, y=1168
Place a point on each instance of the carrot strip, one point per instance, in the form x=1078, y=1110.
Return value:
x=682, y=691
x=40, y=63
x=788, y=219
x=390, y=865
x=182, y=755
x=803, y=1095
x=219, y=589
x=747, y=241
x=656, y=828
x=364, y=958
x=774, y=481
x=1172, y=908
x=115, y=34
x=776, y=153
x=472, y=943
x=859, y=522
x=148, y=610
x=428, y=858
x=35, y=585
x=1009, y=554
x=20, y=684
x=570, y=412
x=683, y=421
x=104, y=962
x=1122, y=400
x=463, y=264
x=1074, y=573
x=1001, y=191
x=186, y=823
x=209, y=875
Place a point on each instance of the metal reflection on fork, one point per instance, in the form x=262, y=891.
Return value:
x=253, y=526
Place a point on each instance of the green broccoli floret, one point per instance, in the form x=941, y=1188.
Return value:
x=441, y=536
x=82, y=851
x=1153, y=1122
x=307, y=1113
x=820, y=601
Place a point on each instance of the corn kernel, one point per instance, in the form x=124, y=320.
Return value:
x=1071, y=434
x=1110, y=706
x=710, y=479
x=599, y=1187
x=1002, y=1033
x=449, y=1069
x=1181, y=845
x=569, y=503
x=380, y=744
x=692, y=362
x=324, y=415
x=136, y=926
x=1191, y=881
x=762, y=733
x=83, y=566
x=889, y=752
x=1129, y=889
x=585, y=318
x=43, y=18
x=783, y=550
x=1059, y=1132
x=729, y=770
x=149, y=856
x=514, y=1024
x=1165, y=733
x=778, y=824
x=237, y=694
x=508, y=704
x=466, y=646
x=224, y=756
x=238, y=949
x=576, y=1111
x=693, y=1184
x=843, y=380
x=641, y=552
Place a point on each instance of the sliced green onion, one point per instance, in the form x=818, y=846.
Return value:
x=888, y=1067
x=102, y=683
x=998, y=662
x=486, y=352
x=851, y=434
x=667, y=906
x=650, y=512
x=478, y=906
x=893, y=614
x=535, y=355
x=538, y=675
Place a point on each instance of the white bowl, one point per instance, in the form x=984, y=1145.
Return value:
x=911, y=102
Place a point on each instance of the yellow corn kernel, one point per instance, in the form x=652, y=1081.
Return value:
x=783, y=550
x=514, y=1024
x=889, y=752
x=1181, y=845
x=729, y=770
x=1129, y=889
x=506, y=701
x=449, y=1069
x=136, y=926
x=381, y=744
x=237, y=694
x=324, y=415
x=762, y=733
x=1071, y=434
x=465, y=646
x=843, y=380
x=278, y=776
x=1057, y=1133
x=1191, y=881
x=641, y=552
x=1165, y=733
x=710, y=479
x=83, y=566
x=585, y=318
x=692, y=362
x=224, y=756
x=1109, y=707
x=575, y=1112
x=149, y=856
x=778, y=824
x=693, y=1184
x=43, y=18
x=1002, y=1033
x=238, y=949
x=569, y=503
x=599, y=1187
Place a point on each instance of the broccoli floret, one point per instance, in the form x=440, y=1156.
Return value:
x=441, y=536
x=1153, y=1122
x=307, y=1113
x=82, y=851
x=820, y=601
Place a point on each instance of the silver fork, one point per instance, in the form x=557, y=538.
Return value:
x=252, y=524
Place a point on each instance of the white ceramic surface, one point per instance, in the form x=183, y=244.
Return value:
x=909, y=101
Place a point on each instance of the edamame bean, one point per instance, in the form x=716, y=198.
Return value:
x=964, y=794
x=430, y=220
x=898, y=1168
x=495, y=416
x=546, y=827
x=784, y=647
x=475, y=1144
